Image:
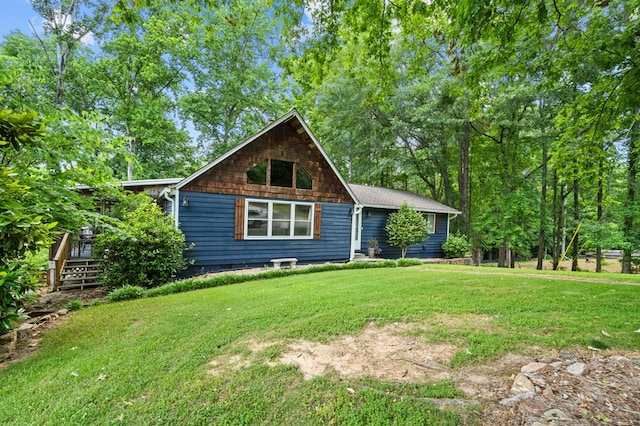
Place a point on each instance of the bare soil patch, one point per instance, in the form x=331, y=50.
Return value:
x=608, y=393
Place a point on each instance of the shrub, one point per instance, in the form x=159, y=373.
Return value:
x=409, y=262
x=127, y=292
x=147, y=250
x=406, y=227
x=74, y=305
x=455, y=246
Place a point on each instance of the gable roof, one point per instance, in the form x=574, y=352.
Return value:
x=301, y=127
x=387, y=198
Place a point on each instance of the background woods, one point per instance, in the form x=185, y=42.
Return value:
x=521, y=115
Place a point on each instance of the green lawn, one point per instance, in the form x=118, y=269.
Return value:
x=146, y=361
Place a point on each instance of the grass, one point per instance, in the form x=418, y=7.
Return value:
x=145, y=361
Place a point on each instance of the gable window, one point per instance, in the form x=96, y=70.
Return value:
x=258, y=174
x=284, y=174
x=431, y=222
x=278, y=219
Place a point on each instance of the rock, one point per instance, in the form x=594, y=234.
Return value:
x=555, y=414
x=54, y=316
x=25, y=330
x=533, y=367
x=517, y=398
x=45, y=318
x=548, y=393
x=522, y=384
x=556, y=364
x=62, y=312
x=578, y=369
x=7, y=344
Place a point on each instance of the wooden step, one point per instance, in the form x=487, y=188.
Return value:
x=79, y=273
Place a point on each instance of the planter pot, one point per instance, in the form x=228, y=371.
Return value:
x=372, y=252
x=7, y=344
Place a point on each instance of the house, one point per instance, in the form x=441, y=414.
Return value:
x=377, y=203
x=278, y=195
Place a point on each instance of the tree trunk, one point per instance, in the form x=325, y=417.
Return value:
x=558, y=215
x=542, y=249
x=132, y=150
x=599, y=211
x=632, y=183
x=463, y=178
x=502, y=256
x=576, y=219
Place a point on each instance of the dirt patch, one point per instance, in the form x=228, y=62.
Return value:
x=51, y=301
x=382, y=352
x=609, y=392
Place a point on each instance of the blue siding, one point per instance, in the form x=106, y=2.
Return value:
x=373, y=223
x=208, y=223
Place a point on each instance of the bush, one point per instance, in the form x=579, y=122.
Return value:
x=127, y=292
x=455, y=246
x=74, y=305
x=409, y=262
x=147, y=250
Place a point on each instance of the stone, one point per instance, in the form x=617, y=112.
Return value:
x=555, y=414
x=548, y=393
x=62, y=312
x=517, y=398
x=578, y=369
x=25, y=330
x=533, y=367
x=522, y=384
x=556, y=364
x=7, y=344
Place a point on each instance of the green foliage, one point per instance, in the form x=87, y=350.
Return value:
x=406, y=227
x=126, y=292
x=16, y=280
x=146, y=250
x=26, y=225
x=408, y=262
x=74, y=305
x=455, y=246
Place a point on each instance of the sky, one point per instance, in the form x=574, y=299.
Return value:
x=15, y=15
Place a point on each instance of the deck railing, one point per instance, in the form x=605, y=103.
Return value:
x=59, y=260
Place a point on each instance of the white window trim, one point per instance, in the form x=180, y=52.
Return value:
x=433, y=222
x=292, y=220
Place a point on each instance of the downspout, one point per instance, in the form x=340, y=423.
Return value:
x=174, y=205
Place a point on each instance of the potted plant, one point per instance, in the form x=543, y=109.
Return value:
x=373, y=247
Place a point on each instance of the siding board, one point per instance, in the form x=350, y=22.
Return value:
x=373, y=223
x=208, y=223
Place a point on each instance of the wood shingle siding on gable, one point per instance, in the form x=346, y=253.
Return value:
x=205, y=222
x=283, y=143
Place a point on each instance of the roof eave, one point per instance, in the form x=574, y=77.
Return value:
x=421, y=209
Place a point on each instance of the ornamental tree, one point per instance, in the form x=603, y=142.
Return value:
x=406, y=227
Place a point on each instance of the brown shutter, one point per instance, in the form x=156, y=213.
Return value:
x=239, y=227
x=317, y=219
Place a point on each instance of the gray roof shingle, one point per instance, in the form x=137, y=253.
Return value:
x=375, y=196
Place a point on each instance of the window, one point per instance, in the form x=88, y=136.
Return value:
x=431, y=222
x=278, y=219
x=279, y=173
x=303, y=180
x=258, y=174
